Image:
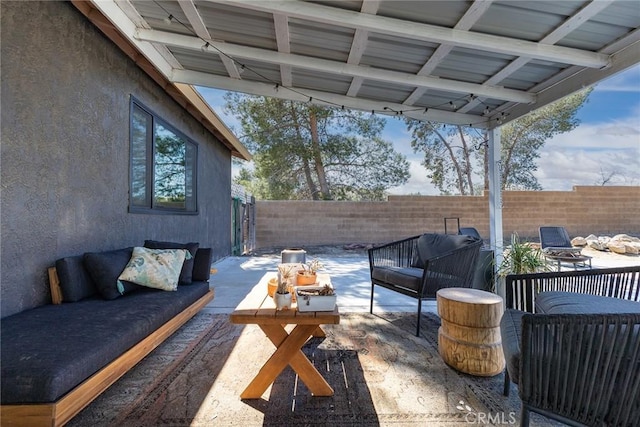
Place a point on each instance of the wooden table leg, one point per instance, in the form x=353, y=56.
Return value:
x=287, y=353
x=319, y=333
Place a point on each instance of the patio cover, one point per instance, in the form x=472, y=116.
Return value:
x=476, y=63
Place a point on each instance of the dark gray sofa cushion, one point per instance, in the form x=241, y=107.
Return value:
x=47, y=351
x=186, y=272
x=202, y=265
x=75, y=282
x=554, y=302
x=105, y=267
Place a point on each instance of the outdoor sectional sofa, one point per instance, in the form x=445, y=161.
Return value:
x=57, y=358
x=572, y=344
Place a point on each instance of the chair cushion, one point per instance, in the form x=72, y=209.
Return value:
x=511, y=333
x=433, y=245
x=554, y=302
x=409, y=278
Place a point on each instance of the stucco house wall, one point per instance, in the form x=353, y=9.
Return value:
x=65, y=151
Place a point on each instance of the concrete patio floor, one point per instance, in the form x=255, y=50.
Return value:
x=349, y=271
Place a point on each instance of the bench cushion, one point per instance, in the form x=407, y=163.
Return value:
x=47, y=351
x=554, y=302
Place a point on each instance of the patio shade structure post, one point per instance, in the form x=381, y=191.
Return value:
x=495, y=200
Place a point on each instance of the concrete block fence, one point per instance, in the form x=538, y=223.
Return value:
x=583, y=211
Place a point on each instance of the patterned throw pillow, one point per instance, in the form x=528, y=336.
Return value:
x=155, y=268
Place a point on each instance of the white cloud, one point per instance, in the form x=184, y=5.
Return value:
x=584, y=155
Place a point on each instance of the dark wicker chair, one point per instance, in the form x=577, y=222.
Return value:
x=421, y=265
x=581, y=369
x=579, y=362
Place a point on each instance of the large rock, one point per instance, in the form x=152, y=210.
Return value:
x=616, y=247
x=632, y=248
x=625, y=238
x=620, y=243
x=579, y=241
x=598, y=243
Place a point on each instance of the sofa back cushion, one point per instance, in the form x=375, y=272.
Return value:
x=186, y=274
x=202, y=265
x=105, y=267
x=75, y=282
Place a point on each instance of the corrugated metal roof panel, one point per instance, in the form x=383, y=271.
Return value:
x=321, y=81
x=320, y=40
x=193, y=60
x=471, y=65
x=525, y=20
x=382, y=91
x=396, y=53
x=244, y=27
x=445, y=13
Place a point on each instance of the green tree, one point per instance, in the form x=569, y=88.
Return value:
x=453, y=157
x=303, y=151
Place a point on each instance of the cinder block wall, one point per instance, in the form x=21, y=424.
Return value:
x=583, y=211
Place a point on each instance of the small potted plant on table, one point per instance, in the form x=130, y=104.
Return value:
x=282, y=297
x=308, y=274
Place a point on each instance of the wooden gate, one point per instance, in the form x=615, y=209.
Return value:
x=243, y=222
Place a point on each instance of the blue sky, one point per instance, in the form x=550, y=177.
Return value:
x=607, y=140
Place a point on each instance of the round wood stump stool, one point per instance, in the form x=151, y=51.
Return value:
x=469, y=336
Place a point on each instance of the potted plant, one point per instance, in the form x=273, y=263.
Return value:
x=522, y=258
x=282, y=297
x=308, y=274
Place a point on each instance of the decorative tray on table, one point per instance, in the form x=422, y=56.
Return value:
x=315, y=298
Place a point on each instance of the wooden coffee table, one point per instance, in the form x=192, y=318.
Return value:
x=259, y=309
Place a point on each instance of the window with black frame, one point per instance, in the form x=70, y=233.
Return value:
x=163, y=165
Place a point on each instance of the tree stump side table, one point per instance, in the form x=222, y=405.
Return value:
x=469, y=336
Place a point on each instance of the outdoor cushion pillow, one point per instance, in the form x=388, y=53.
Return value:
x=75, y=282
x=434, y=245
x=155, y=268
x=105, y=267
x=186, y=274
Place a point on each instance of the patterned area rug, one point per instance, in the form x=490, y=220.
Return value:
x=382, y=375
